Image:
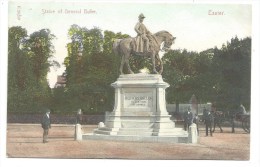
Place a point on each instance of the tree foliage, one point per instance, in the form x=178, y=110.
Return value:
x=233, y=62
x=28, y=65
x=91, y=67
x=220, y=76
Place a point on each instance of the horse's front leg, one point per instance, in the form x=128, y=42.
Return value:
x=122, y=64
x=153, y=61
x=127, y=56
x=161, y=64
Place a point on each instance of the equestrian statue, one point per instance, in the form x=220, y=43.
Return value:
x=144, y=44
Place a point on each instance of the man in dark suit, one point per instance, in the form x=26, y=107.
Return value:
x=46, y=124
x=208, y=120
x=188, y=119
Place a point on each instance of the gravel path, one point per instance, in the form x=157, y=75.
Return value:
x=24, y=140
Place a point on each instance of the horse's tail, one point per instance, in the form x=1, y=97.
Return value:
x=116, y=46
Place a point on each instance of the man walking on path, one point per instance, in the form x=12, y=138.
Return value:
x=188, y=119
x=46, y=124
x=209, y=120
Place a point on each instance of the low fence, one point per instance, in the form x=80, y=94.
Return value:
x=181, y=108
x=55, y=119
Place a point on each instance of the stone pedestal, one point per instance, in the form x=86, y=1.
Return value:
x=140, y=112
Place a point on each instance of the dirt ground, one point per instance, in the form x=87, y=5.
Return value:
x=25, y=141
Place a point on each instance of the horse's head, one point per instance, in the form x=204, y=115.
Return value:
x=167, y=39
x=168, y=43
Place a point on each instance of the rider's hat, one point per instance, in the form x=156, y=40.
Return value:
x=141, y=16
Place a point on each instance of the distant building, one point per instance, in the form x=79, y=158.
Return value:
x=61, y=81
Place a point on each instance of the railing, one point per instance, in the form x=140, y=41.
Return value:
x=55, y=119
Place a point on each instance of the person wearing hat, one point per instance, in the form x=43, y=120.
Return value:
x=188, y=119
x=46, y=124
x=143, y=35
x=209, y=121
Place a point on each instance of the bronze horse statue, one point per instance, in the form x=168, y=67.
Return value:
x=125, y=48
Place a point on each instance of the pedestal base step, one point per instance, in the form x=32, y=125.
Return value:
x=158, y=139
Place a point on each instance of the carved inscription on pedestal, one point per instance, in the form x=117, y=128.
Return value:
x=134, y=100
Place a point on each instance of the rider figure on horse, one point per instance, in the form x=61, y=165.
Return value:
x=144, y=36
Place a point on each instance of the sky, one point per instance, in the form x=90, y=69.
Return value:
x=195, y=26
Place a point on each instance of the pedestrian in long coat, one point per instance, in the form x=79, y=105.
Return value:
x=209, y=121
x=188, y=119
x=46, y=125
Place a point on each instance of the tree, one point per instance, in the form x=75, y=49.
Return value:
x=40, y=50
x=233, y=62
x=28, y=65
x=91, y=67
x=17, y=70
x=215, y=75
x=84, y=45
x=180, y=73
x=17, y=36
